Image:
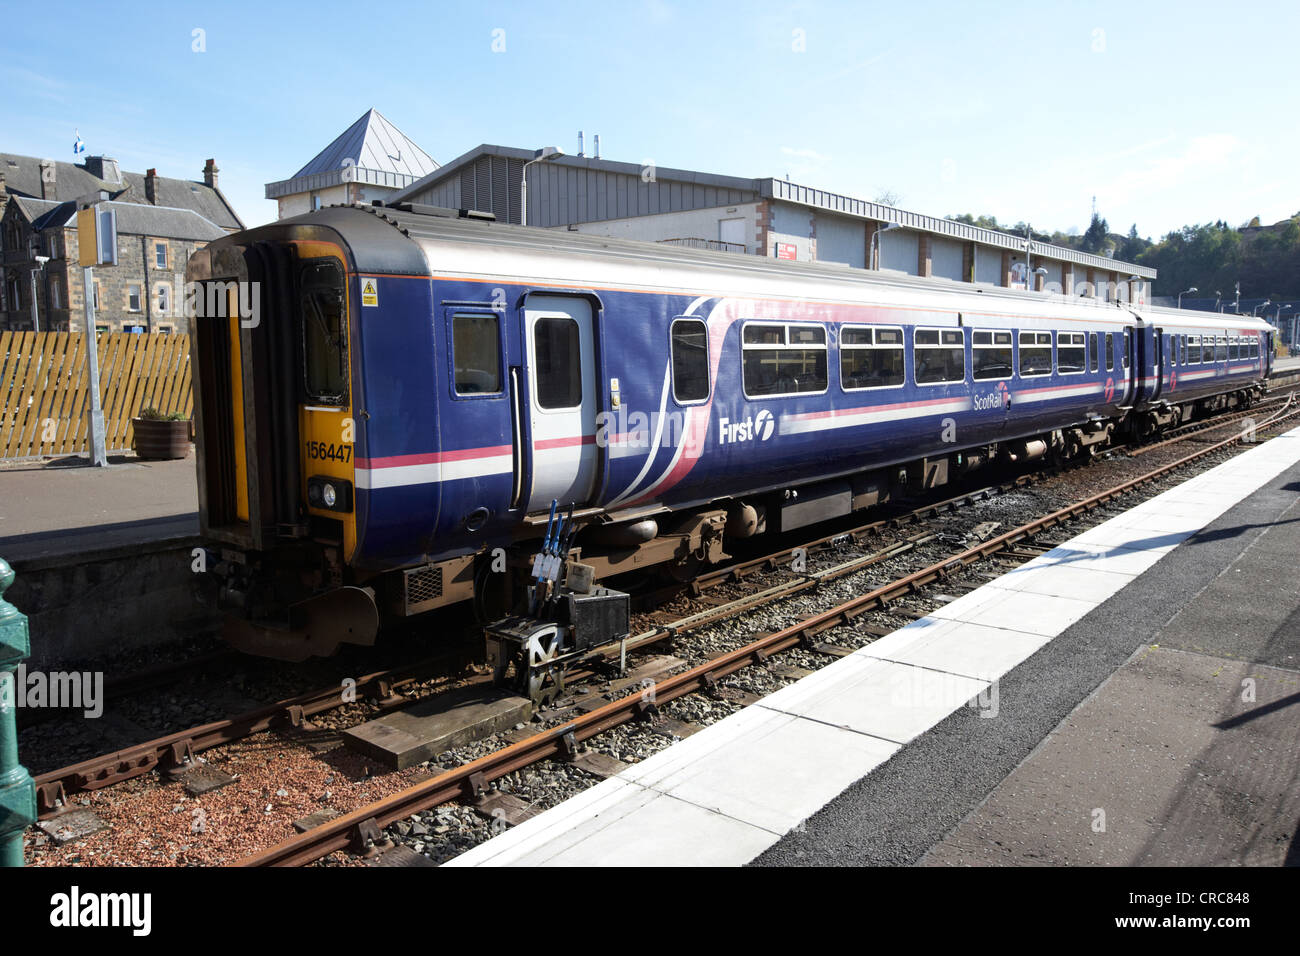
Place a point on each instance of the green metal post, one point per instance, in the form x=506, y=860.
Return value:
x=17, y=792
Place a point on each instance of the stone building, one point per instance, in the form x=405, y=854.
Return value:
x=160, y=222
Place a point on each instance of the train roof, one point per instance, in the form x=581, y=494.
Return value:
x=454, y=243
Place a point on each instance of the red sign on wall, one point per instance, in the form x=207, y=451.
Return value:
x=786, y=250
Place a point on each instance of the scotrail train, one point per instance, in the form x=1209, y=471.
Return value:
x=421, y=384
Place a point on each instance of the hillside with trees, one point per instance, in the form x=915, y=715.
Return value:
x=1212, y=257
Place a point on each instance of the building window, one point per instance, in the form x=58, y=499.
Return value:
x=15, y=295
x=871, y=358
x=96, y=293
x=56, y=293
x=160, y=255
x=103, y=328
x=939, y=355
x=690, y=345
x=476, y=353
x=991, y=352
x=133, y=298
x=1069, y=352
x=138, y=329
x=166, y=329
x=783, y=359
x=164, y=298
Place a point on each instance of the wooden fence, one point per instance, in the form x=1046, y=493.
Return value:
x=44, y=398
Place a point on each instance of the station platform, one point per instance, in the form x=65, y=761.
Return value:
x=63, y=508
x=1131, y=697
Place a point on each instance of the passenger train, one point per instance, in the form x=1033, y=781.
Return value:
x=385, y=433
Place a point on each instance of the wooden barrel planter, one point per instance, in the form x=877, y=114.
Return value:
x=158, y=440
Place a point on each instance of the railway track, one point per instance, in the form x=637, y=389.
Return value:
x=177, y=751
x=363, y=827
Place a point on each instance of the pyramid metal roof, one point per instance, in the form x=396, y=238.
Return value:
x=375, y=151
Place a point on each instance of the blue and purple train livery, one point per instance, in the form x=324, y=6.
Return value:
x=418, y=385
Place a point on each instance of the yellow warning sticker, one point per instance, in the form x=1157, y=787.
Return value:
x=369, y=294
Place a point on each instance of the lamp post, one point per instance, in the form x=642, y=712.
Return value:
x=875, y=242
x=40, y=267
x=1183, y=293
x=1255, y=311
x=542, y=155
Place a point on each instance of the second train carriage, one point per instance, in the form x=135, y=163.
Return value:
x=391, y=407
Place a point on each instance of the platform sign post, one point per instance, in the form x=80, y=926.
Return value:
x=17, y=791
x=97, y=245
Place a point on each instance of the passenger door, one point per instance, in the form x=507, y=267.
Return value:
x=560, y=349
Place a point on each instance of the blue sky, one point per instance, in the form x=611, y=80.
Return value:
x=1169, y=113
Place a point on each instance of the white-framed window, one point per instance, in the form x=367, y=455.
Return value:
x=1036, y=354
x=56, y=293
x=165, y=329
x=939, y=356
x=96, y=293
x=1071, y=357
x=992, y=354
x=782, y=359
x=164, y=296
x=1221, y=349
x=133, y=297
x=160, y=255
x=871, y=357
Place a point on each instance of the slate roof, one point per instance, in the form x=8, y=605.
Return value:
x=378, y=152
x=134, y=219
x=23, y=178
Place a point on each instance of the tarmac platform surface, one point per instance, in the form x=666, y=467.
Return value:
x=65, y=507
x=1137, y=701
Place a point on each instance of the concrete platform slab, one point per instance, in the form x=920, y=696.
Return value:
x=956, y=647
x=893, y=702
x=993, y=606
x=426, y=729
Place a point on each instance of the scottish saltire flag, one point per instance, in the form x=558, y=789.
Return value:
x=78, y=147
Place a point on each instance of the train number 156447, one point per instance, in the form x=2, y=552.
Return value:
x=325, y=450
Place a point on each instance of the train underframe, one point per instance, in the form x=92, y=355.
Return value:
x=300, y=600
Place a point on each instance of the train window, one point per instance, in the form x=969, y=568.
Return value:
x=1234, y=348
x=1193, y=349
x=991, y=355
x=1092, y=352
x=1221, y=349
x=1182, y=347
x=939, y=355
x=476, y=352
x=690, y=343
x=871, y=358
x=324, y=342
x=1069, y=352
x=1127, y=340
x=1207, y=349
x=558, y=362
x=1035, y=354
x=784, y=359
x=1110, y=351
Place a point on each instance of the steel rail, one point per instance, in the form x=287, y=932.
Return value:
x=470, y=780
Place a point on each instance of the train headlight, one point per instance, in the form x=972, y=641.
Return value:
x=330, y=494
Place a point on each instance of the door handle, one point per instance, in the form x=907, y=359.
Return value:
x=517, y=445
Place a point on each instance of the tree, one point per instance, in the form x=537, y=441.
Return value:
x=1094, y=240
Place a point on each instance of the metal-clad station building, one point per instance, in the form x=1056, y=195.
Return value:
x=771, y=217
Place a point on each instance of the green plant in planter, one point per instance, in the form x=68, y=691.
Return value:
x=152, y=414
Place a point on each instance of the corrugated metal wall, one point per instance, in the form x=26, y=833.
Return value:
x=559, y=195
x=946, y=259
